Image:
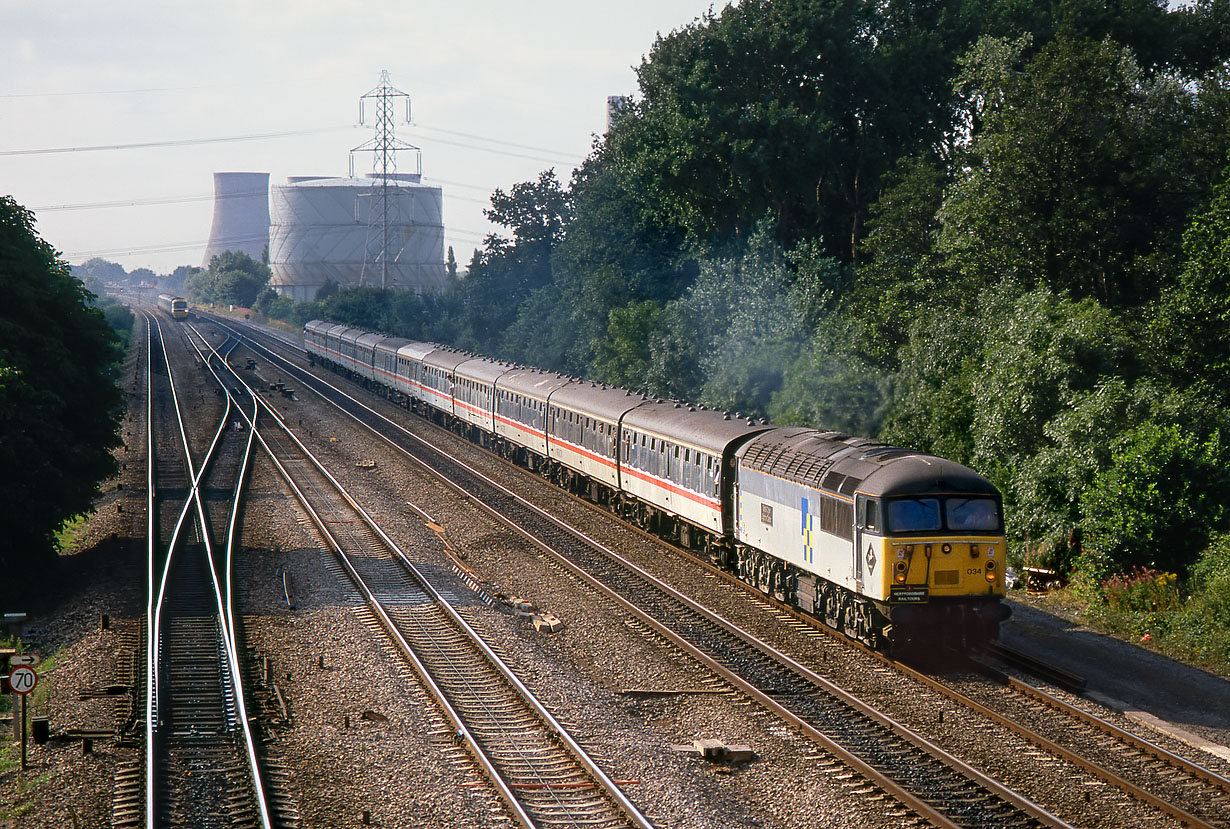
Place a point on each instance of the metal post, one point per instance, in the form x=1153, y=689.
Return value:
x=23, y=732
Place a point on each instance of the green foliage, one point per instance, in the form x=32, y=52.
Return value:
x=901, y=275
x=793, y=108
x=1201, y=629
x=729, y=339
x=1067, y=183
x=932, y=405
x=832, y=387
x=274, y=305
x=1185, y=620
x=101, y=270
x=233, y=278
x=325, y=291
x=120, y=318
x=1157, y=504
x=1191, y=335
x=623, y=356
x=1142, y=590
x=59, y=408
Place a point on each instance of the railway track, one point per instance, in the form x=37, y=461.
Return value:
x=200, y=760
x=542, y=775
x=931, y=782
x=1176, y=787
x=1190, y=793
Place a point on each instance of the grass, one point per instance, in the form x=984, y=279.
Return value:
x=70, y=534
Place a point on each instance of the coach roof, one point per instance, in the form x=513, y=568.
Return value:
x=706, y=429
x=596, y=400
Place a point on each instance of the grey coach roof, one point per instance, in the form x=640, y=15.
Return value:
x=595, y=400
x=706, y=429
x=446, y=358
x=532, y=382
x=482, y=369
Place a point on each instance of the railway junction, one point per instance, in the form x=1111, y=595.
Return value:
x=608, y=678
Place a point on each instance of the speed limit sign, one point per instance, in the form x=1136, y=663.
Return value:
x=23, y=679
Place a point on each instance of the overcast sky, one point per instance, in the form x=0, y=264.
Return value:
x=500, y=91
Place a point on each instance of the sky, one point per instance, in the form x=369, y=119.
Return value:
x=500, y=91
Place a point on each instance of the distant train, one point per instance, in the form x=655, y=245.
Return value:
x=897, y=549
x=176, y=306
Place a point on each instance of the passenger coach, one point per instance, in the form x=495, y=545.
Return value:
x=583, y=436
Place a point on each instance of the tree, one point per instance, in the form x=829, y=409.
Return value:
x=623, y=355
x=504, y=273
x=829, y=386
x=1191, y=332
x=1070, y=181
x=795, y=108
x=612, y=257
x=59, y=407
x=100, y=269
x=1159, y=502
x=901, y=276
x=233, y=278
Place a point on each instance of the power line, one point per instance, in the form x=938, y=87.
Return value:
x=183, y=142
x=497, y=141
x=158, y=200
x=144, y=202
x=79, y=93
x=494, y=151
x=176, y=247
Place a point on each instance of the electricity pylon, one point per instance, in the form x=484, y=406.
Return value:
x=384, y=146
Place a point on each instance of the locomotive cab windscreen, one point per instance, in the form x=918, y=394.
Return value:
x=959, y=514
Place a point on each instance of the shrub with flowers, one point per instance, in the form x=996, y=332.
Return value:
x=1143, y=590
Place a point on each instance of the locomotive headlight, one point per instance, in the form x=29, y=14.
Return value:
x=990, y=569
x=901, y=568
x=973, y=551
x=909, y=549
x=927, y=551
x=947, y=548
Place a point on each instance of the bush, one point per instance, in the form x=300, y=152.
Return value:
x=1142, y=590
x=1201, y=630
x=1157, y=504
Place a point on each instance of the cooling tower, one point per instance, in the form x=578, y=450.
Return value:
x=241, y=215
x=319, y=233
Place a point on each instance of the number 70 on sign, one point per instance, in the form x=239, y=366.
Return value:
x=22, y=680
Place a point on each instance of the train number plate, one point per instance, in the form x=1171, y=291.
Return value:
x=907, y=595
